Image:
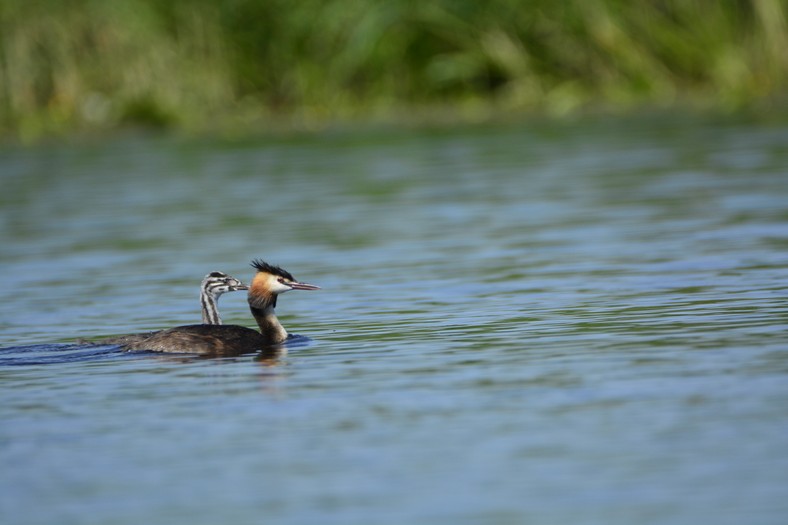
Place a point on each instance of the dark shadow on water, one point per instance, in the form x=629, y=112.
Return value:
x=48, y=354
x=297, y=341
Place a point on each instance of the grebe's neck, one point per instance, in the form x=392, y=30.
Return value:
x=210, y=310
x=271, y=329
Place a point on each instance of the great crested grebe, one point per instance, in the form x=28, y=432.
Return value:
x=216, y=339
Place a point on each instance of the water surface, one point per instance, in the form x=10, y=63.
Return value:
x=577, y=322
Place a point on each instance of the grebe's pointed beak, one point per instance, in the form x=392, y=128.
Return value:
x=302, y=286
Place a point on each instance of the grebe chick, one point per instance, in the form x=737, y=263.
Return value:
x=213, y=286
x=268, y=283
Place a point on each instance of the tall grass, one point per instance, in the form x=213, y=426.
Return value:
x=70, y=64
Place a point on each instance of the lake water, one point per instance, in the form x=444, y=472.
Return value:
x=542, y=323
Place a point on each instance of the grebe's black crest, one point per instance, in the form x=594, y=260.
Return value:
x=262, y=266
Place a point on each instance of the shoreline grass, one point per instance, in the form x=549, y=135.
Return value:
x=76, y=65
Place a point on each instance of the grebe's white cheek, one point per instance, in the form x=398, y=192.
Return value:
x=279, y=288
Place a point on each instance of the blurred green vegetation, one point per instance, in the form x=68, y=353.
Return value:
x=234, y=64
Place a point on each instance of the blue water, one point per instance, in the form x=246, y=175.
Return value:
x=548, y=322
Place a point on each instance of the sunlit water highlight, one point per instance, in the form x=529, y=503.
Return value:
x=554, y=323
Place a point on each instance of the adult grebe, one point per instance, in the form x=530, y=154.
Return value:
x=209, y=339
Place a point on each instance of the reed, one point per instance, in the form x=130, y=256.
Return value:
x=81, y=64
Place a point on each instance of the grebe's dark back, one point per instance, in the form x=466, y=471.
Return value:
x=212, y=287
